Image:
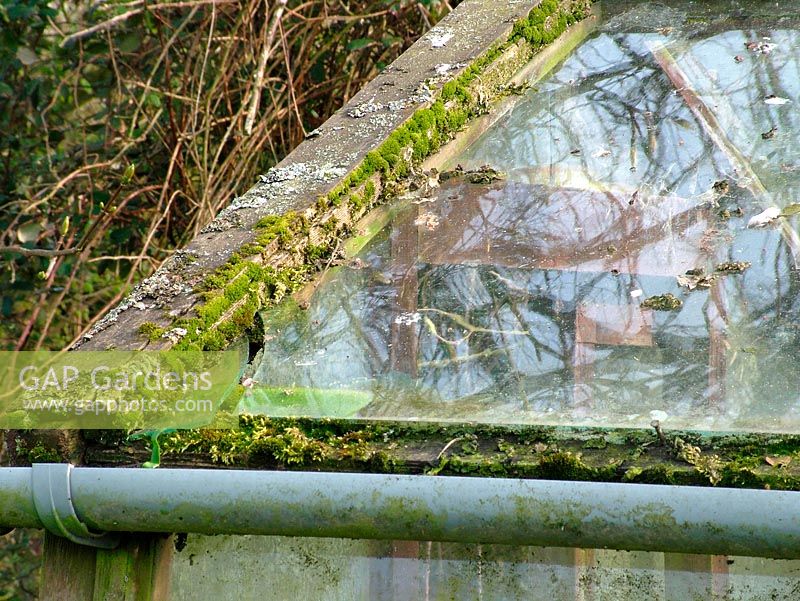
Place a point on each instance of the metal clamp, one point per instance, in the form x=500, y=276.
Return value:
x=52, y=498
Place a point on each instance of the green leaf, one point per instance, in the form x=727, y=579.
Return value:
x=130, y=170
x=792, y=209
x=100, y=196
x=28, y=232
x=86, y=86
x=153, y=99
x=358, y=43
x=150, y=23
x=19, y=12
x=130, y=43
x=391, y=40
x=120, y=235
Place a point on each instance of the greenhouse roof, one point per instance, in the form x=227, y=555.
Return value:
x=618, y=247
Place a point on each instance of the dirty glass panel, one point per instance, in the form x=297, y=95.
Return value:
x=259, y=567
x=635, y=259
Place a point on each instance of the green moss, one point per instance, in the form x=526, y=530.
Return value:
x=663, y=302
x=375, y=163
x=211, y=340
x=282, y=228
x=564, y=466
x=287, y=442
x=736, y=477
x=39, y=452
x=290, y=447
x=390, y=151
x=369, y=190
x=213, y=309
x=366, y=199
x=680, y=477
x=151, y=331
x=322, y=204
x=486, y=467
x=476, y=450
x=317, y=253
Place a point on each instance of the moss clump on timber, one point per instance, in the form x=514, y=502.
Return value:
x=285, y=442
x=151, y=331
x=35, y=451
x=234, y=293
x=635, y=456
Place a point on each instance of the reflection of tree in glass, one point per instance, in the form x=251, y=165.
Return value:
x=525, y=293
x=611, y=107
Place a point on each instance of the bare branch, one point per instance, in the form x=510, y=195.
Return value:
x=38, y=252
x=266, y=49
x=121, y=18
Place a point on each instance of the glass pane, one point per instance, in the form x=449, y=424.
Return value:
x=259, y=567
x=637, y=260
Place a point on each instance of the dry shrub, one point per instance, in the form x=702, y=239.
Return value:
x=125, y=126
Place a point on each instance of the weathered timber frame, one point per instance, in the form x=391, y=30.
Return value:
x=276, y=237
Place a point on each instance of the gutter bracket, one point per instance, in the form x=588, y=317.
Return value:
x=52, y=498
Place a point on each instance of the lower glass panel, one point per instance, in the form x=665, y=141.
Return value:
x=305, y=569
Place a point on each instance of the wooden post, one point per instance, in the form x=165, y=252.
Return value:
x=68, y=570
x=137, y=570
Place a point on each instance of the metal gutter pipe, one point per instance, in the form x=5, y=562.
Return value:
x=89, y=504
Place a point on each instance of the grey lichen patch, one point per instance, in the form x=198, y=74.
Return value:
x=179, y=260
x=282, y=183
x=439, y=36
x=224, y=221
x=175, y=335
x=157, y=291
x=422, y=95
x=442, y=69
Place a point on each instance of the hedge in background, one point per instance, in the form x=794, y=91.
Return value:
x=125, y=126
